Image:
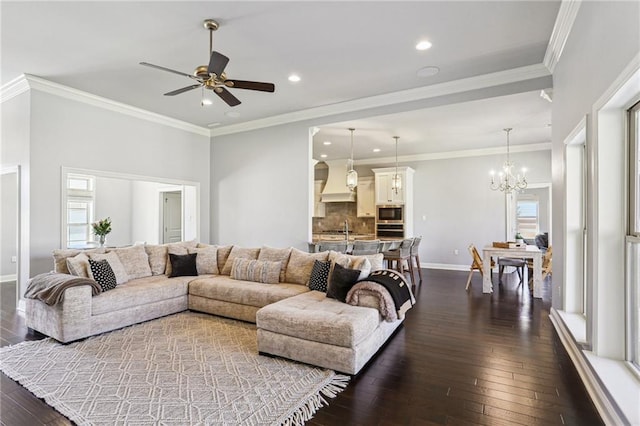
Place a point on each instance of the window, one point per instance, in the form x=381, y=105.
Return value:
x=633, y=239
x=527, y=216
x=80, y=206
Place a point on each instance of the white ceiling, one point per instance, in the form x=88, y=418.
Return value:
x=343, y=51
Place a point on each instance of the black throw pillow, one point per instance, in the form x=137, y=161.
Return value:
x=342, y=279
x=319, y=276
x=183, y=265
x=103, y=274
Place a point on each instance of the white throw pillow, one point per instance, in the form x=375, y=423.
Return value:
x=78, y=265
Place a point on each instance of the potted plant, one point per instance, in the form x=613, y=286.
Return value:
x=519, y=238
x=101, y=228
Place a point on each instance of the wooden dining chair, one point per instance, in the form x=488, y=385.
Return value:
x=476, y=264
x=547, y=266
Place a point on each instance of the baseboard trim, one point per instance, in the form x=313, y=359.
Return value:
x=7, y=278
x=445, y=266
x=607, y=408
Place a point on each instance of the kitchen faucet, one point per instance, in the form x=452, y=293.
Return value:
x=346, y=230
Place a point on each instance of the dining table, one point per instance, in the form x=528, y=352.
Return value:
x=527, y=252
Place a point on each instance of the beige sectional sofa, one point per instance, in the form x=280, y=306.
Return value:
x=292, y=320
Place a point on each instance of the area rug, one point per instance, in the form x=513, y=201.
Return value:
x=186, y=369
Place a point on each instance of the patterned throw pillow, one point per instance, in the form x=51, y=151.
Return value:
x=342, y=279
x=183, y=265
x=259, y=271
x=276, y=255
x=116, y=266
x=319, y=275
x=238, y=253
x=103, y=274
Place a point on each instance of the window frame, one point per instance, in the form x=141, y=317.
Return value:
x=79, y=196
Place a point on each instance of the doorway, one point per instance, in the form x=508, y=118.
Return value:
x=9, y=248
x=171, y=217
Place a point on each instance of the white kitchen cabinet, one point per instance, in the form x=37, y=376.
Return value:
x=318, y=206
x=384, y=193
x=366, y=197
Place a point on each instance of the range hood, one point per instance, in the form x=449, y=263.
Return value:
x=336, y=190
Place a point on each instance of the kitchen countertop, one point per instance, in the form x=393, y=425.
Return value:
x=328, y=236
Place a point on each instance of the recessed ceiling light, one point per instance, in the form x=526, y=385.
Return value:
x=294, y=78
x=213, y=124
x=326, y=143
x=423, y=45
x=323, y=155
x=376, y=149
x=206, y=101
x=232, y=114
x=427, y=71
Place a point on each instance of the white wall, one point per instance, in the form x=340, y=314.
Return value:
x=260, y=187
x=14, y=153
x=69, y=133
x=460, y=208
x=113, y=199
x=603, y=40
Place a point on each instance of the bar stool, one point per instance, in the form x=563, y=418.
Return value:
x=399, y=256
x=415, y=255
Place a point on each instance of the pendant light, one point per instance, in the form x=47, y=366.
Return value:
x=396, y=182
x=507, y=182
x=352, y=175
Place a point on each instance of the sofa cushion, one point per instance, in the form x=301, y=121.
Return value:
x=239, y=253
x=319, y=275
x=135, y=261
x=223, y=254
x=78, y=265
x=60, y=257
x=139, y=292
x=114, y=262
x=312, y=316
x=341, y=281
x=207, y=260
x=183, y=265
x=260, y=271
x=226, y=289
x=157, y=258
x=276, y=255
x=376, y=260
x=182, y=247
x=102, y=274
x=301, y=264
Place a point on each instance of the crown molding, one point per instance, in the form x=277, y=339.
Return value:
x=13, y=88
x=561, y=30
x=543, y=146
x=425, y=92
x=30, y=82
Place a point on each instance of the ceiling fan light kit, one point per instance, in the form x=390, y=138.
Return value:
x=212, y=76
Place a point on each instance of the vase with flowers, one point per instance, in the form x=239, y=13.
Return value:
x=101, y=228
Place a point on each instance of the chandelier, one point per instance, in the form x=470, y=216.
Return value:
x=396, y=181
x=352, y=175
x=507, y=182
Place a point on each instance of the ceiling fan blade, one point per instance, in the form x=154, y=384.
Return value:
x=226, y=96
x=251, y=85
x=184, y=89
x=217, y=63
x=146, y=64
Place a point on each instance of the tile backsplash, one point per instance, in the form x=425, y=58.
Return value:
x=337, y=213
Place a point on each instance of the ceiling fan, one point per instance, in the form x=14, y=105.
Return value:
x=213, y=77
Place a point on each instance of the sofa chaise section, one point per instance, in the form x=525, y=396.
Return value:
x=318, y=330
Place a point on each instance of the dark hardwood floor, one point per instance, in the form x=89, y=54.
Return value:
x=460, y=358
